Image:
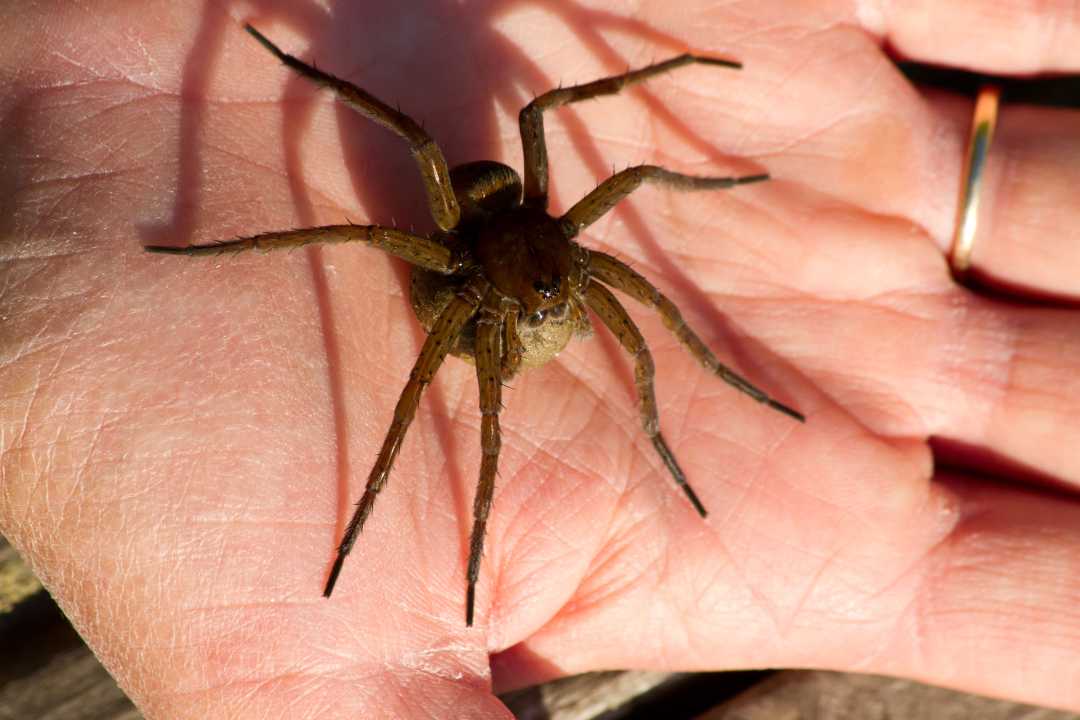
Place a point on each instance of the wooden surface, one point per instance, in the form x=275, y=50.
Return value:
x=816, y=695
x=47, y=673
x=66, y=683
x=17, y=583
x=583, y=696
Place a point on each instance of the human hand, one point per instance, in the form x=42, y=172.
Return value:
x=183, y=438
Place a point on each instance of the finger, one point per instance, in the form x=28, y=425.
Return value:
x=1018, y=392
x=1002, y=378
x=1000, y=592
x=1001, y=37
x=918, y=362
x=1028, y=232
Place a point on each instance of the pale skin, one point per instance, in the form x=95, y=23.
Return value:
x=183, y=440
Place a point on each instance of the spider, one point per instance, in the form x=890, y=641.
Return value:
x=501, y=282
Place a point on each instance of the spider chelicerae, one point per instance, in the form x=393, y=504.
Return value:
x=501, y=281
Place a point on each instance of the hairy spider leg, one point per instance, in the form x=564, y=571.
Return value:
x=622, y=277
x=607, y=194
x=429, y=158
x=531, y=117
x=416, y=249
x=489, y=328
x=514, y=351
x=442, y=337
x=614, y=316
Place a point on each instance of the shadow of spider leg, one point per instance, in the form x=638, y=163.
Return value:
x=489, y=331
x=416, y=249
x=429, y=158
x=531, y=118
x=442, y=337
x=622, y=277
x=614, y=316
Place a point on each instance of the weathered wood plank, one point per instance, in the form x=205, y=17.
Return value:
x=70, y=685
x=582, y=696
x=819, y=695
x=46, y=672
x=17, y=583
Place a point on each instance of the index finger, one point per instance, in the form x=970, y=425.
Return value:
x=1009, y=36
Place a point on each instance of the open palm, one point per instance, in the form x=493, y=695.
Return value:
x=183, y=438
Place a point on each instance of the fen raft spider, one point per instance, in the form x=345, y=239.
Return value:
x=502, y=282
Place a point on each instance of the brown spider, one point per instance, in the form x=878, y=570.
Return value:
x=501, y=281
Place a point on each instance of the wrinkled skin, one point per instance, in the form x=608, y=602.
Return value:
x=182, y=440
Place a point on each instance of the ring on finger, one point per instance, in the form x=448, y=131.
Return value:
x=967, y=214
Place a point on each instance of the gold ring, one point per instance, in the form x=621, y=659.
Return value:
x=967, y=214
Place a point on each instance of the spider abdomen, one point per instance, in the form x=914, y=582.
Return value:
x=431, y=292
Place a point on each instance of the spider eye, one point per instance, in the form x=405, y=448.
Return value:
x=536, y=319
x=558, y=312
x=547, y=290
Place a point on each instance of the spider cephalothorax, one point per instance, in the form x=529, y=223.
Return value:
x=526, y=256
x=502, y=282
